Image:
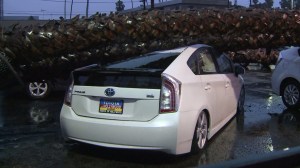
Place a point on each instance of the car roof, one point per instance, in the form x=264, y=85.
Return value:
x=153, y=56
x=147, y=58
x=290, y=53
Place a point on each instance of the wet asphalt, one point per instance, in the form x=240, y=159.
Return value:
x=30, y=134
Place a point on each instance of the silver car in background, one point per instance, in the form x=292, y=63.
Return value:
x=286, y=77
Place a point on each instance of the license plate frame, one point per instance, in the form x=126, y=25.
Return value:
x=110, y=106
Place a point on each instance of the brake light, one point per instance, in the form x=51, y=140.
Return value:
x=278, y=61
x=170, y=94
x=68, y=95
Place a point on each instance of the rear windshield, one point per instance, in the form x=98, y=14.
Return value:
x=156, y=60
x=139, y=72
x=119, y=79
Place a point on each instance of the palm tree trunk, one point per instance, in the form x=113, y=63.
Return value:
x=65, y=10
x=71, y=9
x=87, y=8
x=152, y=4
x=144, y=4
x=131, y=4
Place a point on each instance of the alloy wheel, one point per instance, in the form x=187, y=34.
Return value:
x=38, y=89
x=291, y=94
x=201, y=130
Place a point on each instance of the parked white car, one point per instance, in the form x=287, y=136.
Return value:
x=172, y=101
x=286, y=77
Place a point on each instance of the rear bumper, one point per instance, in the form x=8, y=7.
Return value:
x=158, y=134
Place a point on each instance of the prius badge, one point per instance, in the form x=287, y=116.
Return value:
x=109, y=92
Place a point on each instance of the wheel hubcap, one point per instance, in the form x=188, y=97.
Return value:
x=37, y=88
x=202, y=130
x=291, y=94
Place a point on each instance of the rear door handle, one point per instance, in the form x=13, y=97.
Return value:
x=207, y=87
x=227, y=84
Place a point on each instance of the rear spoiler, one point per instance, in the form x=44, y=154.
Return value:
x=88, y=67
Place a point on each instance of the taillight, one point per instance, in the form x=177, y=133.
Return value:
x=169, y=95
x=278, y=61
x=68, y=95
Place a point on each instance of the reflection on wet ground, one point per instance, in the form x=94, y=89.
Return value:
x=30, y=135
x=22, y=116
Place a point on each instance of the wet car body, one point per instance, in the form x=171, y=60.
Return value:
x=141, y=104
x=286, y=77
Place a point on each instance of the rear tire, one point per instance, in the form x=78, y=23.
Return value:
x=291, y=94
x=200, y=133
x=241, y=102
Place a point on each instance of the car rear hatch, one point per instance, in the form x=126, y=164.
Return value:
x=117, y=94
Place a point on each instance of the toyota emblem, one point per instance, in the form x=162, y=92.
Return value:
x=109, y=92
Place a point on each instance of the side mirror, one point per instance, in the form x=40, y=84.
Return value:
x=239, y=70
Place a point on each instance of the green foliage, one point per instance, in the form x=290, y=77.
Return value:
x=269, y=3
x=266, y=4
x=297, y=6
x=120, y=5
x=285, y=4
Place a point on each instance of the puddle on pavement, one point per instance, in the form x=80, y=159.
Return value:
x=20, y=110
x=265, y=126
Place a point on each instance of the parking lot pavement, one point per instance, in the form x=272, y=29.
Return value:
x=30, y=134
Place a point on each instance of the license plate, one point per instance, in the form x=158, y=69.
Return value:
x=111, y=106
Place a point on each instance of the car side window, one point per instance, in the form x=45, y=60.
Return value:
x=206, y=62
x=225, y=65
x=193, y=64
x=202, y=62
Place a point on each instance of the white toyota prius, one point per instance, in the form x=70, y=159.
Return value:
x=172, y=100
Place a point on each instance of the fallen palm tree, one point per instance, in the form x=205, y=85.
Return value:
x=100, y=38
x=263, y=56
